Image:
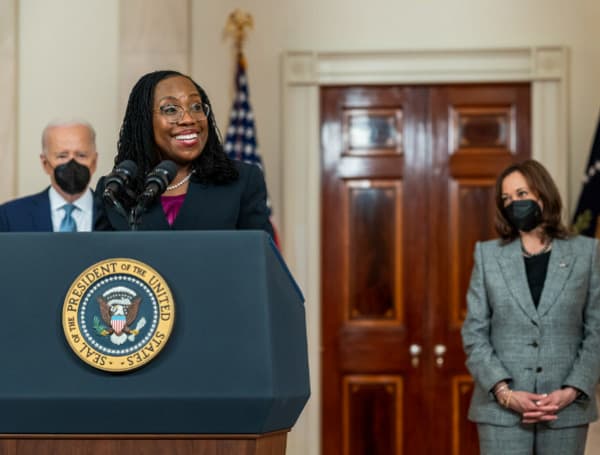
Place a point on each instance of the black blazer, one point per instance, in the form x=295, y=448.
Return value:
x=237, y=205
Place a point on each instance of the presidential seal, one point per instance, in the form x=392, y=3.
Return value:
x=118, y=315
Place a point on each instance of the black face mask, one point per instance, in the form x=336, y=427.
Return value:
x=524, y=215
x=72, y=177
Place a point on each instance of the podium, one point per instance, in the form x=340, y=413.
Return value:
x=232, y=378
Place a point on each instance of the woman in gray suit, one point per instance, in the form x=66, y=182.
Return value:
x=532, y=331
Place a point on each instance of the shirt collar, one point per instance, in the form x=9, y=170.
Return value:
x=85, y=202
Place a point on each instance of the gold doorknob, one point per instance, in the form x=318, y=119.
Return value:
x=415, y=351
x=439, y=350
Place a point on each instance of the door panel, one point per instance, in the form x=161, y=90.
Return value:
x=372, y=409
x=477, y=130
x=407, y=189
x=372, y=296
x=372, y=252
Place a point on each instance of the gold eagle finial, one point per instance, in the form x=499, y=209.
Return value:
x=237, y=25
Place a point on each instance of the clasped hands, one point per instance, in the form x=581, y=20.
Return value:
x=534, y=407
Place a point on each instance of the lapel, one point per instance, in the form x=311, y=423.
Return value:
x=155, y=219
x=41, y=215
x=559, y=268
x=192, y=210
x=513, y=269
x=152, y=219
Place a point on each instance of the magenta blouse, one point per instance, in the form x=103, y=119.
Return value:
x=171, y=206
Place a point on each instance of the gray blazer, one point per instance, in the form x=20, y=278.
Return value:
x=537, y=350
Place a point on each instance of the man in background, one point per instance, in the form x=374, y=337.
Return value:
x=69, y=157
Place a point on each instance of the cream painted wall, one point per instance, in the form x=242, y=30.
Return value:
x=335, y=25
x=8, y=89
x=68, y=54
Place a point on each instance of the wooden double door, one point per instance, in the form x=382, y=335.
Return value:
x=407, y=189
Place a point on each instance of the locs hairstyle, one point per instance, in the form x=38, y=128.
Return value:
x=136, y=137
x=543, y=187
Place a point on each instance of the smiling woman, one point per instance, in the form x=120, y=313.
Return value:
x=169, y=117
x=180, y=133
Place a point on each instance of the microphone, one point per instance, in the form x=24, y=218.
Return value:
x=119, y=179
x=156, y=183
x=116, y=182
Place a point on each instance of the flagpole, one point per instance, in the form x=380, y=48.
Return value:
x=240, y=139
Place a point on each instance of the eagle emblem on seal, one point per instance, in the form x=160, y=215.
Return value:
x=119, y=308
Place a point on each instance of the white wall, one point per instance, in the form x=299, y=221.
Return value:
x=8, y=88
x=67, y=67
x=394, y=24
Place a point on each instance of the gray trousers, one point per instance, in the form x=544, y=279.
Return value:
x=531, y=439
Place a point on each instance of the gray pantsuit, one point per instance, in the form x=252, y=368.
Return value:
x=536, y=439
x=538, y=349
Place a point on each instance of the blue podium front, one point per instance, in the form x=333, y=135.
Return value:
x=236, y=361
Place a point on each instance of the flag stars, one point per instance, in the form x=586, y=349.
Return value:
x=591, y=172
x=240, y=140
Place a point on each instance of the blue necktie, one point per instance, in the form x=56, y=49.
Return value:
x=68, y=222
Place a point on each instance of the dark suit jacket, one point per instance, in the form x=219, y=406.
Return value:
x=27, y=214
x=237, y=205
x=538, y=349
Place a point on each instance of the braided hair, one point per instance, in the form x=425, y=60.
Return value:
x=136, y=137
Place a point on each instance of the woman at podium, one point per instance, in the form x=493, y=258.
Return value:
x=171, y=170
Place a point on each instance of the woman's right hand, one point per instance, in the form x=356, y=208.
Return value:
x=525, y=404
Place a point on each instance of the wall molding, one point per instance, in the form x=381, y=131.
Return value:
x=304, y=72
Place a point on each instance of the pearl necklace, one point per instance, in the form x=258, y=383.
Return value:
x=183, y=180
x=545, y=249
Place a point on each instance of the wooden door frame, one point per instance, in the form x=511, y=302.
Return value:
x=304, y=72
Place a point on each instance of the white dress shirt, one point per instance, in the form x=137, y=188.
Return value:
x=83, y=214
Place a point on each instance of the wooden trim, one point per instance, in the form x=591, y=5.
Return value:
x=143, y=436
x=456, y=418
x=185, y=444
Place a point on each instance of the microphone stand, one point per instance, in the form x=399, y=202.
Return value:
x=135, y=217
x=111, y=199
x=156, y=183
x=143, y=200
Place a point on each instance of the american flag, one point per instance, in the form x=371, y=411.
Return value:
x=586, y=220
x=240, y=141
